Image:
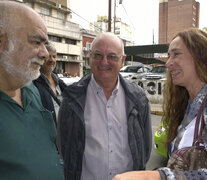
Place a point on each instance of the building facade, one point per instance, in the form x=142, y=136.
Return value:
x=122, y=29
x=175, y=16
x=65, y=35
x=87, y=38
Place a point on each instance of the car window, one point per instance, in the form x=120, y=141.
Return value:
x=145, y=69
x=140, y=70
x=159, y=69
x=131, y=69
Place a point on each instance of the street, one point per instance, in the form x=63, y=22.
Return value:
x=155, y=160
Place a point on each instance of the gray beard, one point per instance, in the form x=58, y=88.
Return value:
x=21, y=74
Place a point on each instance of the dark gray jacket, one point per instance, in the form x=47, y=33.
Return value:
x=43, y=86
x=72, y=127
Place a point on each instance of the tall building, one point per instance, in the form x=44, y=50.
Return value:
x=175, y=16
x=65, y=35
x=122, y=29
x=87, y=38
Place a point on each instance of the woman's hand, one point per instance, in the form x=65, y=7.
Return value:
x=138, y=175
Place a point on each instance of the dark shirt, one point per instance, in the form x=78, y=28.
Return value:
x=42, y=84
x=27, y=139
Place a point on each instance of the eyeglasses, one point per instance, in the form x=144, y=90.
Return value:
x=110, y=57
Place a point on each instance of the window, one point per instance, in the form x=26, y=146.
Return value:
x=45, y=11
x=70, y=41
x=159, y=69
x=60, y=15
x=54, y=38
x=28, y=4
x=145, y=69
x=131, y=69
x=140, y=70
x=88, y=45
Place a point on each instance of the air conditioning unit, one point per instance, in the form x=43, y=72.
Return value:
x=65, y=57
x=58, y=5
x=85, y=49
x=88, y=45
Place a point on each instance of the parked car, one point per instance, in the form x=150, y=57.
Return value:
x=158, y=72
x=159, y=139
x=70, y=80
x=134, y=71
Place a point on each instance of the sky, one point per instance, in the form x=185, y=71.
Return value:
x=141, y=15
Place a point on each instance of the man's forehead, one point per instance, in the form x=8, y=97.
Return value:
x=37, y=36
x=32, y=28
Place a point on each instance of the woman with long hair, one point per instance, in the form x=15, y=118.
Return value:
x=184, y=91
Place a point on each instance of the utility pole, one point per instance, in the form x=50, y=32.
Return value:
x=114, y=15
x=120, y=2
x=153, y=37
x=109, y=17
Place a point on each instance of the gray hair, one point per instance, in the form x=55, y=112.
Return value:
x=7, y=15
x=50, y=47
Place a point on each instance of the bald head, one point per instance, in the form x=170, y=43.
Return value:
x=108, y=36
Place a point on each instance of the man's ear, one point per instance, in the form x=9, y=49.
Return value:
x=3, y=40
x=123, y=58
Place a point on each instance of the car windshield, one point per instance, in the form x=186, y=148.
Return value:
x=132, y=69
x=159, y=69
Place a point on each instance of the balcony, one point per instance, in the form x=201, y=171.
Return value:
x=67, y=49
x=61, y=27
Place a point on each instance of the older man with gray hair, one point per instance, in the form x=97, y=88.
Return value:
x=104, y=120
x=27, y=131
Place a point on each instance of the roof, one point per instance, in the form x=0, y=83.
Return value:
x=144, y=60
x=146, y=49
x=133, y=53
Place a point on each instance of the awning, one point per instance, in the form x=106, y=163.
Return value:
x=144, y=60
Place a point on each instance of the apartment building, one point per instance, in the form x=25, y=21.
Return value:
x=87, y=38
x=65, y=35
x=122, y=29
x=175, y=16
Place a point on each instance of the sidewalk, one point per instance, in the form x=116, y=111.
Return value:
x=156, y=109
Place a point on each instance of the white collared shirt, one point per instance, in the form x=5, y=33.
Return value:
x=107, y=151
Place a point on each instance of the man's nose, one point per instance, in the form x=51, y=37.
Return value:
x=52, y=59
x=105, y=59
x=43, y=53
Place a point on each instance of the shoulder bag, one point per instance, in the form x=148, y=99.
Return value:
x=195, y=157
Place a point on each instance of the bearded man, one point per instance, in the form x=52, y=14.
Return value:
x=27, y=131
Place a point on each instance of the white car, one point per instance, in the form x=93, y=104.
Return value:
x=134, y=71
x=70, y=80
x=158, y=72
